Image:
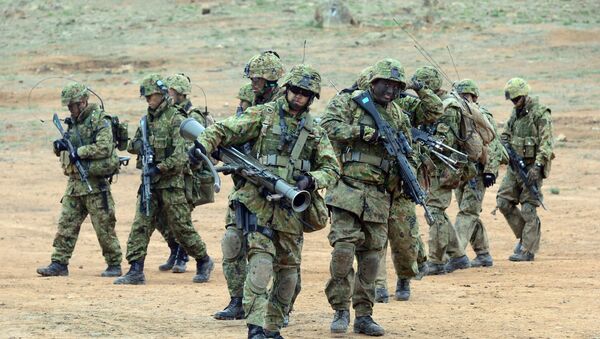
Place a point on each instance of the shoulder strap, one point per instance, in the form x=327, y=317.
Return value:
x=299, y=145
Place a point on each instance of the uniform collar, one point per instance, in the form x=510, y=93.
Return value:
x=155, y=113
x=86, y=112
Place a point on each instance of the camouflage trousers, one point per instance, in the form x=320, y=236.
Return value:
x=74, y=211
x=404, y=240
x=469, y=226
x=278, y=258
x=524, y=222
x=167, y=206
x=443, y=239
x=352, y=237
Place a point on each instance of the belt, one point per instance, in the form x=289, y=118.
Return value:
x=353, y=156
x=283, y=161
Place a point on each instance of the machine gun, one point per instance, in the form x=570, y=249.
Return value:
x=251, y=170
x=147, y=160
x=398, y=146
x=437, y=148
x=518, y=165
x=78, y=165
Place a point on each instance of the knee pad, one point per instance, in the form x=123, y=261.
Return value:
x=529, y=212
x=342, y=259
x=260, y=270
x=231, y=244
x=288, y=278
x=367, y=266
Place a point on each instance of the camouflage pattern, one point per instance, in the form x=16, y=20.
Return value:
x=74, y=92
x=261, y=125
x=363, y=81
x=265, y=65
x=246, y=96
x=91, y=135
x=304, y=76
x=180, y=83
x=467, y=86
x=529, y=132
x=168, y=202
x=430, y=76
x=149, y=85
x=516, y=87
x=361, y=201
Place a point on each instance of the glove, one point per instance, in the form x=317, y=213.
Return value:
x=305, y=182
x=60, y=145
x=153, y=171
x=370, y=134
x=194, y=159
x=488, y=179
x=534, y=174
x=416, y=84
x=73, y=156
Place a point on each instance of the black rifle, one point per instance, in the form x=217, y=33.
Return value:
x=78, y=165
x=518, y=165
x=147, y=160
x=437, y=148
x=398, y=146
x=251, y=170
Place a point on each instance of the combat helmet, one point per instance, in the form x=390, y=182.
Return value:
x=265, y=65
x=467, y=86
x=151, y=84
x=389, y=69
x=180, y=83
x=363, y=78
x=73, y=92
x=516, y=87
x=430, y=76
x=306, y=77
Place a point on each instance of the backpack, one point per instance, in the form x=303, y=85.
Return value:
x=119, y=131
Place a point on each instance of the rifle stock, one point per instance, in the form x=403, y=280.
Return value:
x=71, y=149
x=147, y=160
x=518, y=165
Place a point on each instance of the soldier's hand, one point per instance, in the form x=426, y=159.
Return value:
x=415, y=84
x=153, y=171
x=305, y=182
x=370, y=134
x=534, y=174
x=489, y=179
x=60, y=145
x=194, y=158
x=73, y=156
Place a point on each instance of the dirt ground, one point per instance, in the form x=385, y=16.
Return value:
x=111, y=45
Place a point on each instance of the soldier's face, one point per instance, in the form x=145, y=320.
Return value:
x=469, y=97
x=385, y=90
x=76, y=108
x=177, y=98
x=519, y=101
x=298, y=98
x=154, y=100
x=258, y=85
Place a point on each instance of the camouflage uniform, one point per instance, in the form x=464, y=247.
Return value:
x=168, y=202
x=279, y=254
x=91, y=135
x=529, y=132
x=364, y=196
x=469, y=194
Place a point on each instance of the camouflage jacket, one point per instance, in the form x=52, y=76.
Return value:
x=447, y=127
x=497, y=154
x=91, y=135
x=186, y=109
x=249, y=99
x=262, y=125
x=170, y=154
x=529, y=132
x=425, y=109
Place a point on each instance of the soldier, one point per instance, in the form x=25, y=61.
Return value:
x=264, y=69
x=443, y=239
x=361, y=201
x=90, y=132
x=403, y=232
x=168, y=202
x=274, y=233
x=529, y=132
x=469, y=194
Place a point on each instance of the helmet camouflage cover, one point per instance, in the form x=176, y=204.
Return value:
x=467, y=86
x=430, y=76
x=180, y=83
x=363, y=78
x=265, y=65
x=74, y=92
x=388, y=69
x=304, y=76
x=149, y=84
x=516, y=87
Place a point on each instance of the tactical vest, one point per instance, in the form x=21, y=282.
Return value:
x=159, y=134
x=524, y=133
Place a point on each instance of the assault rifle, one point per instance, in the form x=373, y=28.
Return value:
x=251, y=170
x=78, y=165
x=397, y=145
x=436, y=147
x=147, y=160
x=518, y=165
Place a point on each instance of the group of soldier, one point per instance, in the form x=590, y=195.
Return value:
x=343, y=152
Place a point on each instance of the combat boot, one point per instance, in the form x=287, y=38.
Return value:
x=434, y=269
x=55, y=269
x=168, y=265
x=255, y=332
x=274, y=335
x=366, y=325
x=112, y=271
x=135, y=276
x=233, y=311
x=422, y=271
x=459, y=263
x=482, y=260
x=203, y=268
x=403, y=289
x=382, y=295
x=341, y=321
x=518, y=247
x=180, y=261
x=523, y=256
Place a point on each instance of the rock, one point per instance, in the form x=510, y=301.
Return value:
x=334, y=13
x=561, y=138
